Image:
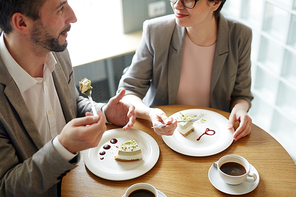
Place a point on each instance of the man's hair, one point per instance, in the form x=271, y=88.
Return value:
x=8, y=8
x=217, y=12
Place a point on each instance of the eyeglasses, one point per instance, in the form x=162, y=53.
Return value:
x=186, y=3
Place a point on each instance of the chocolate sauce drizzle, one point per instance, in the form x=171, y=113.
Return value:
x=207, y=132
x=107, y=147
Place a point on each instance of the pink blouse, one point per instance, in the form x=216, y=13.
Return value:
x=194, y=87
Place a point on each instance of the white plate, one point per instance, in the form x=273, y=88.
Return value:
x=105, y=166
x=243, y=188
x=207, y=145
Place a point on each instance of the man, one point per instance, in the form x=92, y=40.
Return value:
x=42, y=118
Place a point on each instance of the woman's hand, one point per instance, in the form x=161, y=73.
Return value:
x=239, y=114
x=158, y=117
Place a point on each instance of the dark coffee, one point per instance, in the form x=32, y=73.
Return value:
x=141, y=193
x=233, y=169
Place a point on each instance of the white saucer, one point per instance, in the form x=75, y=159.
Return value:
x=243, y=188
x=160, y=194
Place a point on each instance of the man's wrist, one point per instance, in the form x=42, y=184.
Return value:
x=67, y=155
x=103, y=110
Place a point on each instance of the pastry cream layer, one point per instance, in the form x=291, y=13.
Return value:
x=121, y=156
x=129, y=151
x=185, y=128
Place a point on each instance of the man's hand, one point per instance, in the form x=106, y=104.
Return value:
x=83, y=133
x=119, y=112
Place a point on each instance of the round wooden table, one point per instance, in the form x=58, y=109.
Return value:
x=178, y=175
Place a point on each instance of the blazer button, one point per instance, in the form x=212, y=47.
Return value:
x=164, y=98
x=228, y=99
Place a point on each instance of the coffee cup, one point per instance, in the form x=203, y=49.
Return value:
x=234, y=170
x=141, y=189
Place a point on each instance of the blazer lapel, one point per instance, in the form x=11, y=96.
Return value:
x=174, y=62
x=15, y=98
x=63, y=91
x=221, y=52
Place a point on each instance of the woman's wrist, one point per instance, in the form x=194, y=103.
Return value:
x=241, y=104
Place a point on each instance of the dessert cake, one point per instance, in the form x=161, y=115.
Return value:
x=129, y=151
x=185, y=128
x=85, y=86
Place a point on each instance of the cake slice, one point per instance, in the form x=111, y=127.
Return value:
x=85, y=86
x=129, y=151
x=185, y=128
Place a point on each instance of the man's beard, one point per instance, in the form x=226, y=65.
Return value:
x=42, y=38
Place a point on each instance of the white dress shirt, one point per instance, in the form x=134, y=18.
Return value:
x=40, y=97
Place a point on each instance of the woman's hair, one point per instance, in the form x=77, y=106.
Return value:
x=217, y=12
x=8, y=8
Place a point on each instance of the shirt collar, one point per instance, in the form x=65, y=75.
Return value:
x=22, y=79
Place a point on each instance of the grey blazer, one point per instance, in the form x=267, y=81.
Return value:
x=27, y=166
x=154, y=73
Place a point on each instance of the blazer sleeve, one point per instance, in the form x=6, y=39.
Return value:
x=147, y=76
x=242, y=87
x=136, y=80
x=23, y=168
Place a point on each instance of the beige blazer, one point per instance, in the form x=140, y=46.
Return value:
x=27, y=166
x=154, y=73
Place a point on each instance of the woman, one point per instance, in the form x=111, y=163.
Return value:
x=194, y=57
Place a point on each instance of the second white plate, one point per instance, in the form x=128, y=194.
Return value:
x=207, y=145
x=105, y=166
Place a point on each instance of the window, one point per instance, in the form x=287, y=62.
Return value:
x=273, y=64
